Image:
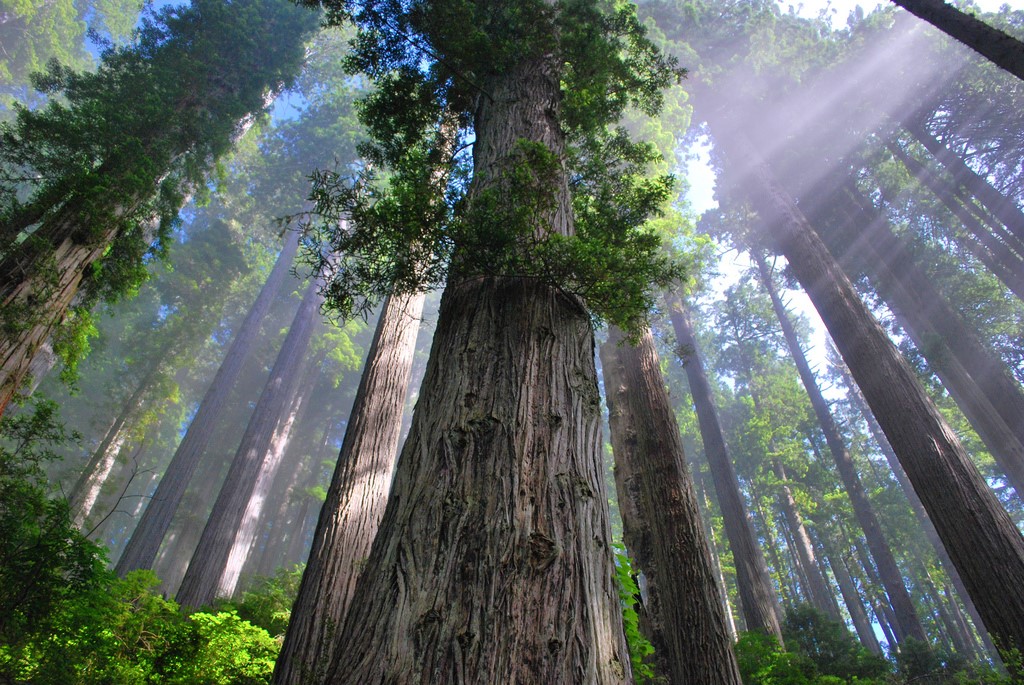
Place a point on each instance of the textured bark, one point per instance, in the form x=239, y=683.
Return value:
x=493, y=562
x=356, y=498
x=246, y=531
x=757, y=598
x=142, y=549
x=661, y=523
x=889, y=572
x=44, y=292
x=919, y=511
x=199, y=586
x=1001, y=48
x=981, y=539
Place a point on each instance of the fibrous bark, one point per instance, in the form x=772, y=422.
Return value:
x=661, y=523
x=356, y=498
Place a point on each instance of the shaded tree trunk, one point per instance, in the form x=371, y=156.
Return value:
x=142, y=549
x=356, y=498
x=998, y=46
x=888, y=570
x=981, y=539
x=199, y=586
x=661, y=523
x=852, y=599
x=757, y=598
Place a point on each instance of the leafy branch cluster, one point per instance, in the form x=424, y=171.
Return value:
x=415, y=225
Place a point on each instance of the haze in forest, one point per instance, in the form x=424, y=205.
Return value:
x=380, y=345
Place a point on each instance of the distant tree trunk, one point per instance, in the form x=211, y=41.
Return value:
x=786, y=590
x=919, y=511
x=716, y=560
x=981, y=539
x=889, y=572
x=851, y=598
x=998, y=46
x=661, y=523
x=199, y=586
x=87, y=489
x=1001, y=207
x=874, y=584
x=991, y=250
x=757, y=598
x=818, y=590
x=279, y=441
x=142, y=549
x=988, y=394
x=356, y=499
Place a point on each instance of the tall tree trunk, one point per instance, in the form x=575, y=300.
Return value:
x=998, y=205
x=356, y=498
x=787, y=592
x=149, y=534
x=279, y=441
x=998, y=46
x=851, y=598
x=199, y=586
x=888, y=570
x=716, y=560
x=757, y=598
x=493, y=561
x=981, y=539
x=818, y=590
x=661, y=523
x=919, y=511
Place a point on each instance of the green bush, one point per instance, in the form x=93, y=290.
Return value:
x=830, y=646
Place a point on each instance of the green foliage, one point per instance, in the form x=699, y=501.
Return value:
x=641, y=650
x=268, y=604
x=762, y=661
x=44, y=560
x=419, y=224
x=829, y=645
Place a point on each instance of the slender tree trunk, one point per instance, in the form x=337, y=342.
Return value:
x=279, y=441
x=981, y=539
x=818, y=590
x=998, y=46
x=716, y=560
x=889, y=572
x=149, y=534
x=998, y=205
x=356, y=499
x=199, y=586
x=874, y=584
x=852, y=599
x=786, y=590
x=661, y=522
x=760, y=606
x=493, y=561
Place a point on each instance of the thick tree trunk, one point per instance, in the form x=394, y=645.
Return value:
x=981, y=539
x=142, y=549
x=356, y=499
x=199, y=586
x=757, y=598
x=36, y=291
x=889, y=572
x=661, y=523
x=919, y=511
x=1001, y=48
x=493, y=561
